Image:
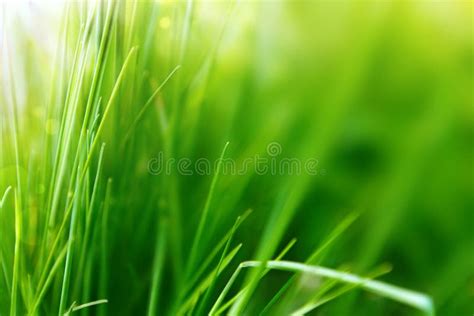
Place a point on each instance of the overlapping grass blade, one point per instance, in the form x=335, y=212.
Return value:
x=415, y=299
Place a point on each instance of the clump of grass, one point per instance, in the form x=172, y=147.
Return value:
x=85, y=228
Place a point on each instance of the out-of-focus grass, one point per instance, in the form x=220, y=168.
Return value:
x=379, y=92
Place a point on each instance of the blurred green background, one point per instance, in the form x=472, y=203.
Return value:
x=379, y=92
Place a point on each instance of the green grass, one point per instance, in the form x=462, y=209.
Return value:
x=379, y=93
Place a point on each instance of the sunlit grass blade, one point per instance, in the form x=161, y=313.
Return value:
x=415, y=299
x=70, y=250
x=17, y=259
x=75, y=308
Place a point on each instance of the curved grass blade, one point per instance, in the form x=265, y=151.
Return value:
x=414, y=299
x=5, y=195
